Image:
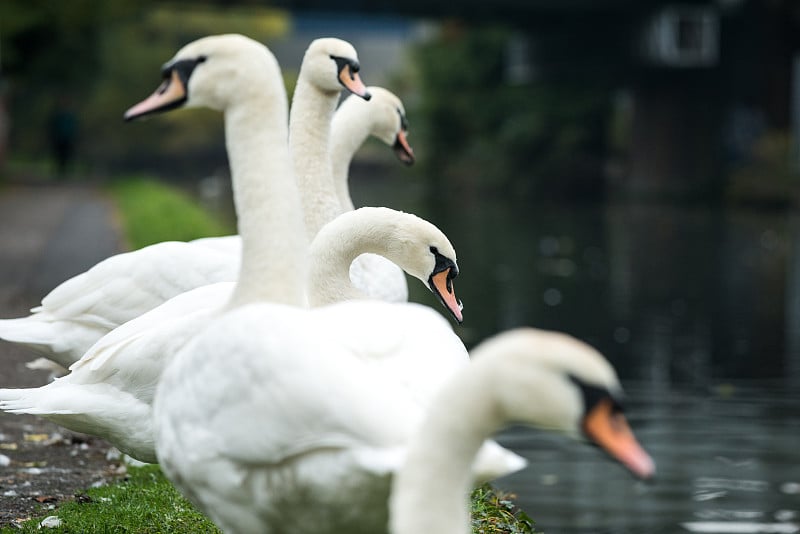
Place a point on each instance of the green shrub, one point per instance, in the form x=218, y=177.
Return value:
x=153, y=211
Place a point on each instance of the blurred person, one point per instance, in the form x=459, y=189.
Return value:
x=4, y=126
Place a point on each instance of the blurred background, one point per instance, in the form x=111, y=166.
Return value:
x=625, y=171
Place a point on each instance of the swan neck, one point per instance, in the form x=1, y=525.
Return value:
x=267, y=204
x=338, y=244
x=309, y=134
x=330, y=255
x=440, y=458
x=348, y=132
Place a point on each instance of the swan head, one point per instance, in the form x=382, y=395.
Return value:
x=556, y=382
x=331, y=64
x=214, y=72
x=440, y=281
x=424, y=252
x=389, y=122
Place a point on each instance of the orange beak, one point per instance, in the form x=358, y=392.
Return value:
x=352, y=82
x=442, y=284
x=402, y=149
x=609, y=429
x=170, y=94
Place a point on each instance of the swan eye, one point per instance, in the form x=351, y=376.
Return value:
x=594, y=395
x=343, y=62
x=444, y=263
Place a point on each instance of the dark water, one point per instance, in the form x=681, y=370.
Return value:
x=697, y=308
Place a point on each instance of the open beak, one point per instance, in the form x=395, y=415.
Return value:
x=609, y=429
x=402, y=149
x=442, y=285
x=351, y=81
x=170, y=94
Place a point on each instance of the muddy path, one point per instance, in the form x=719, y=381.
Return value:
x=47, y=234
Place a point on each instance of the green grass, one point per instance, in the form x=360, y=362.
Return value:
x=493, y=512
x=145, y=502
x=152, y=212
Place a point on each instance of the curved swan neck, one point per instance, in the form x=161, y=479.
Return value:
x=440, y=457
x=309, y=136
x=380, y=231
x=349, y=130
x=366, y=230
x=267, y=204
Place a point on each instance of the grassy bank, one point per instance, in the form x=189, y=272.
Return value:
x=145, y=502
x=152, y=211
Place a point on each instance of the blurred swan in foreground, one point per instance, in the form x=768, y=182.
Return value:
x=545, y=379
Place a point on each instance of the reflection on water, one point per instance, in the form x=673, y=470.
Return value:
x=699, y=311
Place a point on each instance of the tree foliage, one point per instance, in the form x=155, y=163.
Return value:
x=482, y=130
x=99, y=58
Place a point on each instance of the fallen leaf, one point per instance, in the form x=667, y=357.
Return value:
x=35, y=437
x=46, y=498
x=8, y=446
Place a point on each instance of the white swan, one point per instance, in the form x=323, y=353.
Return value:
x=384, y=117
x=280, y=419
x=546, y=379
x=78, y=312
x=81, y=310
x=109, y=391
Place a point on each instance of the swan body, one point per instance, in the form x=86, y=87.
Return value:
x=109, y=392
x=82, y=309
x=546, y=379
x=292, y=432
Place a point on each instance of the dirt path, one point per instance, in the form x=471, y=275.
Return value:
x=47, y=234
